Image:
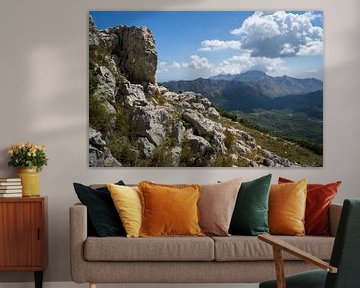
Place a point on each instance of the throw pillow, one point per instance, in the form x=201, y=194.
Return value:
x=102, y=215
x=169, y=210
x=250, y=215
x=216, y=206
x=127, y=201
x=319, y=197
x=287, y=204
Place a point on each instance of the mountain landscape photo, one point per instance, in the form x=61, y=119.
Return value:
x=247, y=92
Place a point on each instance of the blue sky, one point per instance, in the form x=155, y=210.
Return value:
x=193, y=44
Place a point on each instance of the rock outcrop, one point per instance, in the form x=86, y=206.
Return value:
x=132, y=48
x=150, y=125
x=93, y=34
x=99, y=154
x=150, y=122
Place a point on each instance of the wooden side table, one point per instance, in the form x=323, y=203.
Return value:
x=23, y=235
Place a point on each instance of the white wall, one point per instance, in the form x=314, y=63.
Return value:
x=43, y=88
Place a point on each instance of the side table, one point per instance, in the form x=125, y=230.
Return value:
x=23, y=235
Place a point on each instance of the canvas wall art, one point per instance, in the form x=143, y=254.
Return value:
x=205, y=88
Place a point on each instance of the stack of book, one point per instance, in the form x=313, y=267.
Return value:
x=10, y=187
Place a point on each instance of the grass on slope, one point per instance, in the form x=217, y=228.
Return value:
x=279, y=146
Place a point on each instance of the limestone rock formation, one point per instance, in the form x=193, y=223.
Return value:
x=99, y=155
x=150, y=122
x=132, y=95
x=93, y=34
x=134, y=51
x=106, y=88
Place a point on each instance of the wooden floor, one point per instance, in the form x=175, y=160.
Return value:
x=74, y=285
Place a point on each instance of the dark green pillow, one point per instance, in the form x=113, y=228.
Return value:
x=103, y=218
x=250, y=216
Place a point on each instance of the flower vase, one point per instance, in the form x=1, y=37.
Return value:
x=30, y=181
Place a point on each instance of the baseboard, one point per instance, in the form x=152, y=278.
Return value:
x=74, y=285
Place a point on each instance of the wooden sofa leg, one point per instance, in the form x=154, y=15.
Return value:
x=92, y=285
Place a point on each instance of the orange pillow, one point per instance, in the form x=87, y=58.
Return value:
x=287, y=204
x=169, y=210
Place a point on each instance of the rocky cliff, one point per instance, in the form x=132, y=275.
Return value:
x=136, y=122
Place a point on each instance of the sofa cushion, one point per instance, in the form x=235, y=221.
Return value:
x=102, y=216
x=127, y=201
x=216, y=206
x=244, y=248
x=149, y=249
x=250, y=215
x=287, y=204
x=169, y=210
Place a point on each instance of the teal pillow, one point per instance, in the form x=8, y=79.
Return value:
x=250, y=216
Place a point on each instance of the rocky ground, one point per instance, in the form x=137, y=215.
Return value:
x=136, y=122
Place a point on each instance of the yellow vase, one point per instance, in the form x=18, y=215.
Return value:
x=30, y=181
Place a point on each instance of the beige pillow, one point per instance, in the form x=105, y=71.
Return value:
x=216, y=206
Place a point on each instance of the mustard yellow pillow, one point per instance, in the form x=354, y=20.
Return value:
x=287, y=204
x=127, y=201
x=169, y=210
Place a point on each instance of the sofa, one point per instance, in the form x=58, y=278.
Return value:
x=233, y=259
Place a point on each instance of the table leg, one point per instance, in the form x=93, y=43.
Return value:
x=38, y=279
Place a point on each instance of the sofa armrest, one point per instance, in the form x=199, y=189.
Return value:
x=334, y=216
x=284, y=246
x=279, y=246
x=78, y=235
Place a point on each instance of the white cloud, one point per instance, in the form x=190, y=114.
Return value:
x=176, y=65
x=245, y=62
x=195, y=67
x=162, y=67
x=280, y=34
x=311, y=48
x=201, y=66
x=287, y=49
x=258, y=25
x=197, y=62
x=215, y=45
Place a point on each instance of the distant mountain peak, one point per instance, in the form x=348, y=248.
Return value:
x=250, y=74
x=256, y=75
x=254, y=82
x=254, y=72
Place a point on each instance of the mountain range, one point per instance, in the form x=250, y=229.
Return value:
x=274, y=86
x=255, y=89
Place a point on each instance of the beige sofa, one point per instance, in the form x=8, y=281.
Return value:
x=234, y=259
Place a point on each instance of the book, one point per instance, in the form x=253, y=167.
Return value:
x=10, y=180
x=10, y=183
x=4, y=195
x=10, y=191
x=9, y=187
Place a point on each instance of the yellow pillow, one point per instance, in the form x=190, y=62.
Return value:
x=287, y=204
x=127, y=201
x=169, y=210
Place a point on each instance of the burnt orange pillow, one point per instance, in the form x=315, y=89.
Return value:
x=169, y=210
x=319, y=197
x=287, y=204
